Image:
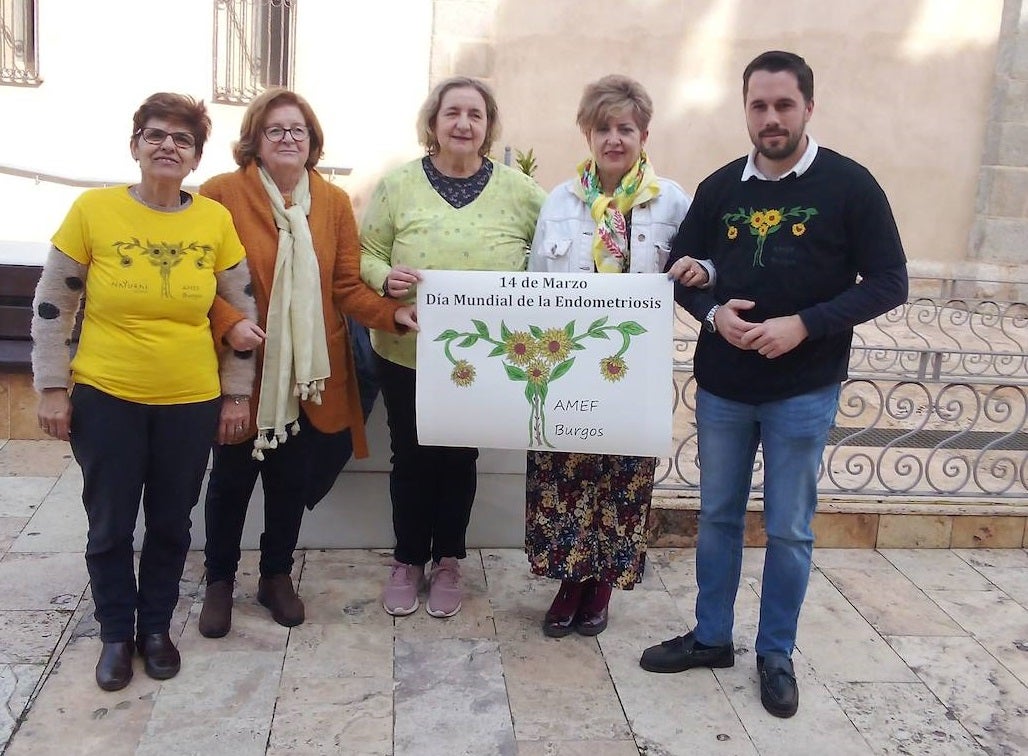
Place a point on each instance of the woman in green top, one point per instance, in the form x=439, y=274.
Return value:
x=454, y=209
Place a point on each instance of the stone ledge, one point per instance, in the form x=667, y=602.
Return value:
x=892, y=505
x=864, y=525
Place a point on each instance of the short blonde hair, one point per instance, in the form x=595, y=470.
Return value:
x=430, y=111
x=251, y=130
x=611, y=95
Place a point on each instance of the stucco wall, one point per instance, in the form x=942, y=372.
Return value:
x=363, y=67
x=902, y=86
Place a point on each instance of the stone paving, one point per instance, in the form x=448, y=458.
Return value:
x=899, y=652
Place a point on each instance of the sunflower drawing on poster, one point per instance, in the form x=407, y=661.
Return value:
x=570, y=362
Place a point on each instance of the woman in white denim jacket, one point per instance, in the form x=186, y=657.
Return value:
x=586, y=513
x=563, y=241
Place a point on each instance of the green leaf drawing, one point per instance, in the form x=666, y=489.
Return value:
x=631, y=328
x=535, y=353
x=562, y=369
x=515, y=373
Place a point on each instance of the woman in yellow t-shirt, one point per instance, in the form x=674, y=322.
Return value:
x=142, y=400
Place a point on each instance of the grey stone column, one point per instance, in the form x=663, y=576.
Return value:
x=1000, y=231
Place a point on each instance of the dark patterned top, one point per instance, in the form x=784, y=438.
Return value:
x=458, y=191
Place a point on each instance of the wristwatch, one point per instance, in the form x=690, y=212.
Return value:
x=708, y=322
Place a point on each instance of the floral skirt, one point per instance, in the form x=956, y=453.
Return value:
x=586, y=516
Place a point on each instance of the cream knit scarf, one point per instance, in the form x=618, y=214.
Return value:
x=295, y=351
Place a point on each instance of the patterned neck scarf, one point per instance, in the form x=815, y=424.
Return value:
x=610, y=242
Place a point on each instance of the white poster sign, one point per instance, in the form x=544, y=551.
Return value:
x=569, y=362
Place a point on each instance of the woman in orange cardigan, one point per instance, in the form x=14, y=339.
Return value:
x=304, y=257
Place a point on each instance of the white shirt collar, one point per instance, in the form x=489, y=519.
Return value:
x=751, y=170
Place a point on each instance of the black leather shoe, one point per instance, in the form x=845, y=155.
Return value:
x=778, y=690
x=680, y=654
x=161, y=658
x=592, y=614
x=114, y=667
x=560, y=617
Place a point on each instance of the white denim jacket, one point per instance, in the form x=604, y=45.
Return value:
x=564, y=233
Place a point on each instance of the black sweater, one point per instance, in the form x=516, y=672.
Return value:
x=794, y=246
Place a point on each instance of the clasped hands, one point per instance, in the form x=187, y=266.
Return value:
x=771, y=338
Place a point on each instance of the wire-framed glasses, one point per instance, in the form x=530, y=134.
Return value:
x=182, y=139
x=277, y=133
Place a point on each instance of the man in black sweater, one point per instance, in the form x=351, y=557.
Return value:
x=805, y=247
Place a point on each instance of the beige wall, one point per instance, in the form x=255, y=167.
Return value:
x=362, y=65
x=902, y=86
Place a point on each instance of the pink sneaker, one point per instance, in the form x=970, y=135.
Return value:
x=400, y=595
x=444, y=592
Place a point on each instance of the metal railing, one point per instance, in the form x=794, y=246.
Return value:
x=936, y=406
x=254, y=48
x=19, y=61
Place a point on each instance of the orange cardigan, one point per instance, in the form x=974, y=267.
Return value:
x=336, y=244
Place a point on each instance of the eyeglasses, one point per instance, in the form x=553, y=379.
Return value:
x=277, y=133
x=182, y=139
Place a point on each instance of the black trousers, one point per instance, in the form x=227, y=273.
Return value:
x=127, y=450
x=432, y=487
x=295, y=475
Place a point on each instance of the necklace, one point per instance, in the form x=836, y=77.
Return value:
x=184, y=198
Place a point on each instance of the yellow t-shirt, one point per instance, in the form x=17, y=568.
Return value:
x=150, y=283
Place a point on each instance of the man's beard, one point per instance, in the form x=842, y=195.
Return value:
x=778, y=153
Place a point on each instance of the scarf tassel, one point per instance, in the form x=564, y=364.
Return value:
x=310, y=391
x=268, y=439
x=260, y=443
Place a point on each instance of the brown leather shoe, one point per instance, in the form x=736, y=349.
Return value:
x=276, y=592
x=114, y=667
x=592, y=614
x=216, y=615
x=161, y=659
x=560, y=617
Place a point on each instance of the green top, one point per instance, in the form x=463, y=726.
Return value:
x=408, y=223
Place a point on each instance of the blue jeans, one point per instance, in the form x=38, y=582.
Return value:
x=793, y=433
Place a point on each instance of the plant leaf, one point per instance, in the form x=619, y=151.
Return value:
x=530, y=392
x=598, y=323
x=504, y=331
x=569, y=329
x=446, y=335
x=562, y=368
x=536, y=331
x=470, y=340
x=497, y=351
x=515, y=373
x=482, y=328
x=631, y=328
